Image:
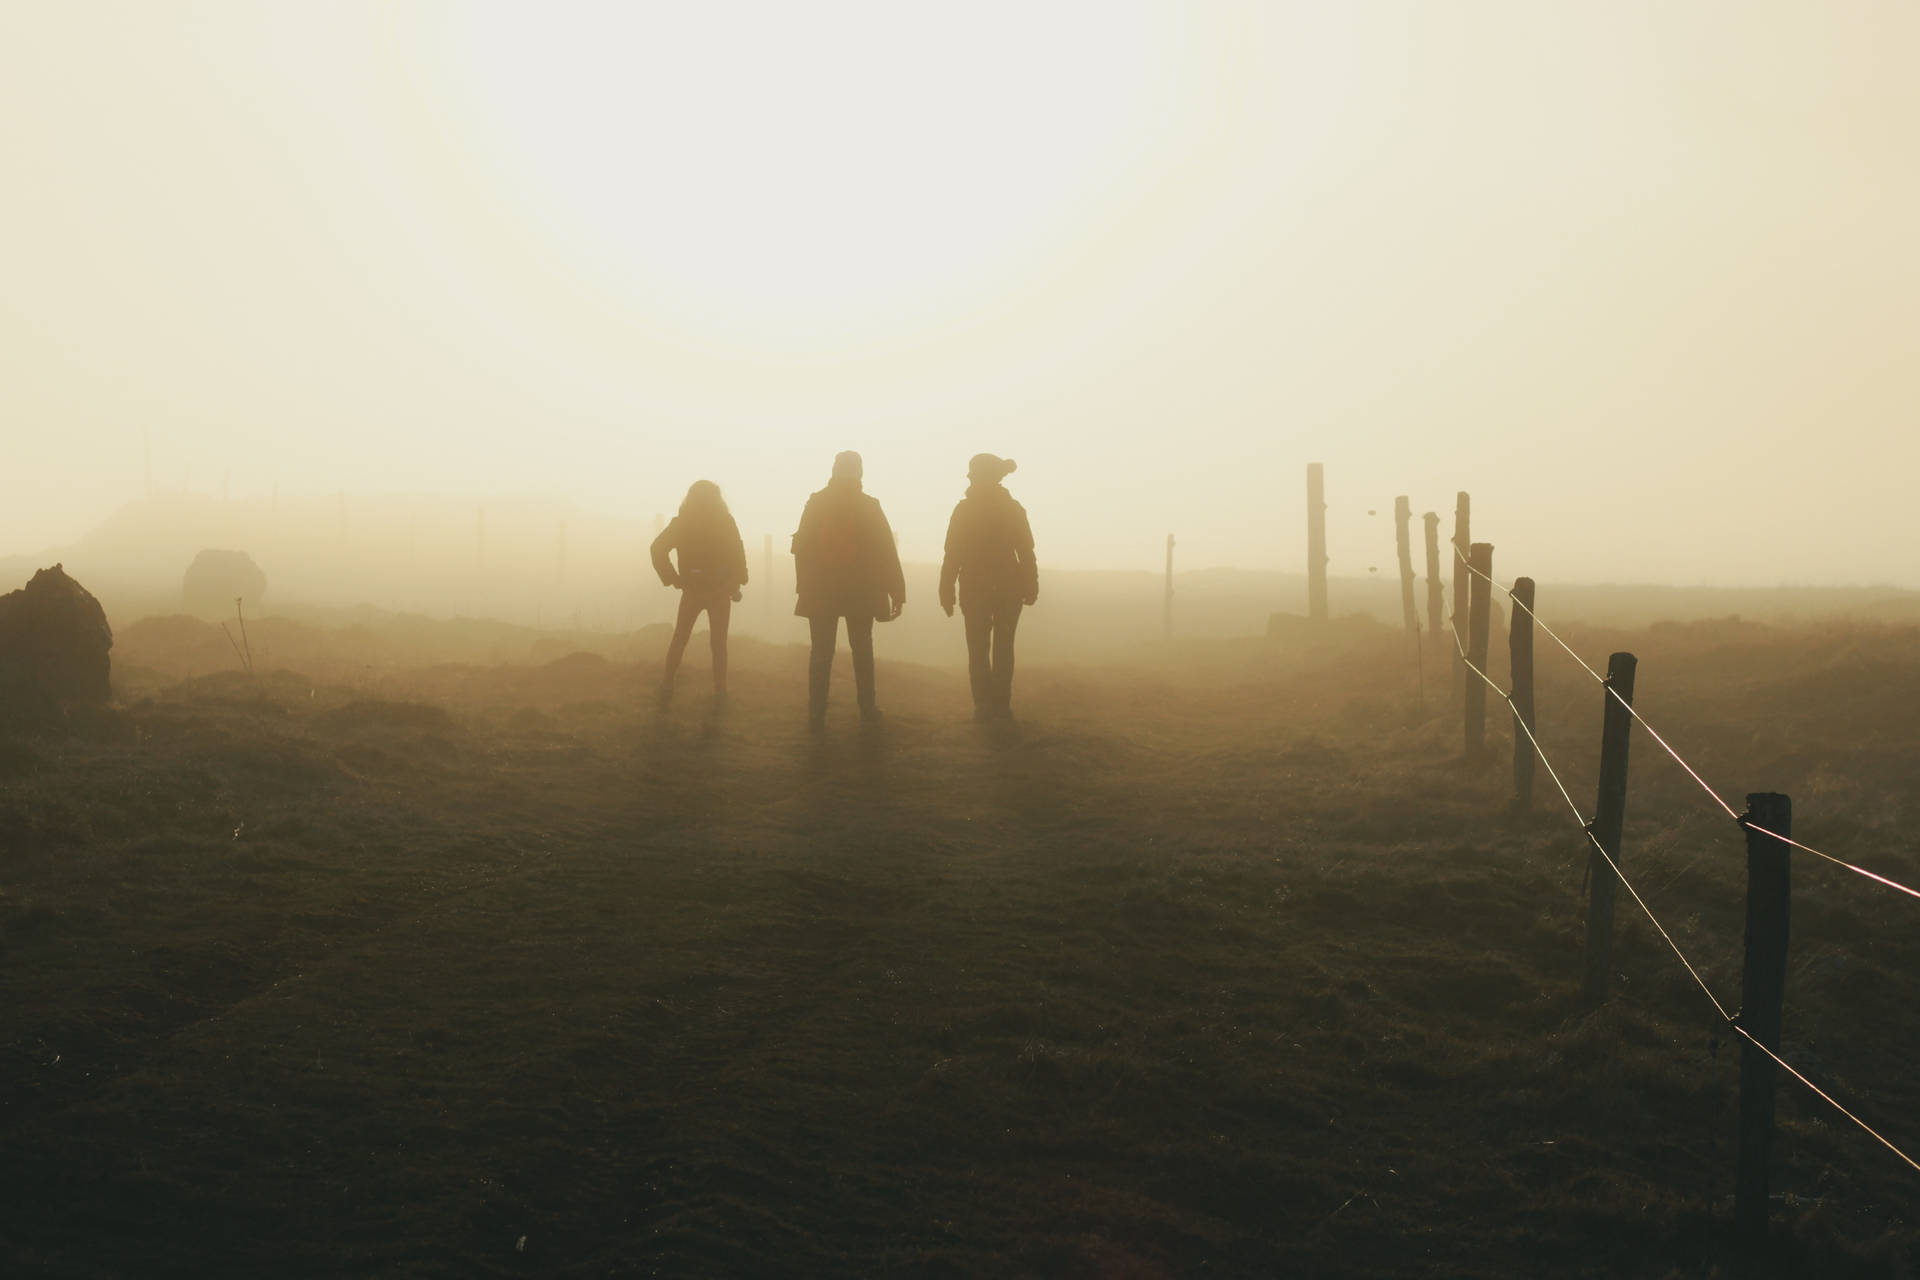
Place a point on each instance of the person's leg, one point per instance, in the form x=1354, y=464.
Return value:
x=1005, y=619
x=860, y=640
x=826, y=633
x=719, y=614
x=979, y=628
x=677, y=647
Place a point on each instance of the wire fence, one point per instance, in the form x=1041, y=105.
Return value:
x=1732, y=1020
x=1666, y=746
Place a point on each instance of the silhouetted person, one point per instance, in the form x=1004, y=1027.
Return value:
x=712, y=569
x=990, y=553
x=845, y=565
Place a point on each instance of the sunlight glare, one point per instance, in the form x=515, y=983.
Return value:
x=852, y=168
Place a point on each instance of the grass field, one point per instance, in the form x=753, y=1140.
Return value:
x=1217, y=963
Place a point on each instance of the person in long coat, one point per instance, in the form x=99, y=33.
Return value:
x=712, y=569
x=990, y=558
x=845, y=565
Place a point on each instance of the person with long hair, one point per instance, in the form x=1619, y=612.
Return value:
x=845, y=565
x=710, y=573
x=990, y=558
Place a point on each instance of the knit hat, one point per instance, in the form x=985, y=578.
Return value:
x=985, y=466
x=847, y=465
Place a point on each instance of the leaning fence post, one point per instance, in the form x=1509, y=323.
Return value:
x=1436, y=594
x=1610, y=813
x=1520, y=661
x=1762, y=989
x=1480, y=557
x=1403, y=543
x=1316, y=543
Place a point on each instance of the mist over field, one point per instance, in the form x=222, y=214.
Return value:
x=1112, y=640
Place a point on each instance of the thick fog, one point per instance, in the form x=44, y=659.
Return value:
x=1644, y=284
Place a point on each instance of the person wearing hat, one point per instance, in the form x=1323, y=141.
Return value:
x=990, y=558
x=845, y=565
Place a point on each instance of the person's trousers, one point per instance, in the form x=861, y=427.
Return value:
x=719, y=609
x=990, y=653
x=826, y=634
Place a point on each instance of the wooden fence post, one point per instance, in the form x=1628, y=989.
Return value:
x=1479, y=556
x=1520, y=661
x=1436, y=594
x=1610, y=814
x=1316, y=543
x=1457, y=566
x=1167, y=616
x=1762, y=990
x=1402, y=539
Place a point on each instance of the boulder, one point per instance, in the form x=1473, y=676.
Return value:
x=54, y=640
x=216, y=579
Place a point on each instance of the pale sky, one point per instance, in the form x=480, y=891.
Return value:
x=1643, y=278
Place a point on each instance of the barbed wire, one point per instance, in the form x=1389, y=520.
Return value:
x=1732, y=1020
x=1665, y=746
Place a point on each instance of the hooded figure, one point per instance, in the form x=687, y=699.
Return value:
x=990, y=556
x=845, y=565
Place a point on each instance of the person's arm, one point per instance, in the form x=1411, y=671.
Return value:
x=1023, y=551
x=739, y=553
x=802, y=549
x=950, y=562
x=896, y=579
x=662, y=564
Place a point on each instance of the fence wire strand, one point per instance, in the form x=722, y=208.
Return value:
x=1829, y=1097
x=1838, y=862
x=1731, y=1020
x=1461, y=556
x=1655, y=734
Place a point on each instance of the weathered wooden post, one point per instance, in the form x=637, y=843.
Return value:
x=1480, y=556
x=1762, y=991
x=1610, y=814
x=1457, y=566
x=1402, y=539
x=1316, y=543
x=1166, y=619
x=1436, y=594
x=1520, y=662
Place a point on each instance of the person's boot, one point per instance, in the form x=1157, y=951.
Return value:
x=982, y=713
x=870, y=714
x=816, y=718
x=664, y=697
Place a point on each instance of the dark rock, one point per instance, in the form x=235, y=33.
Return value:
x=216, y=579
x=54, y=640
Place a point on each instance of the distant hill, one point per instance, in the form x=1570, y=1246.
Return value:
x=549, y=566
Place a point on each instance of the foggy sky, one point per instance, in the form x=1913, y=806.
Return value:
x=1641, y=277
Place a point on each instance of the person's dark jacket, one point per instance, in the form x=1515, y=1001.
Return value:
x=989, y=551
x=712, y=557
x=845, y=564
